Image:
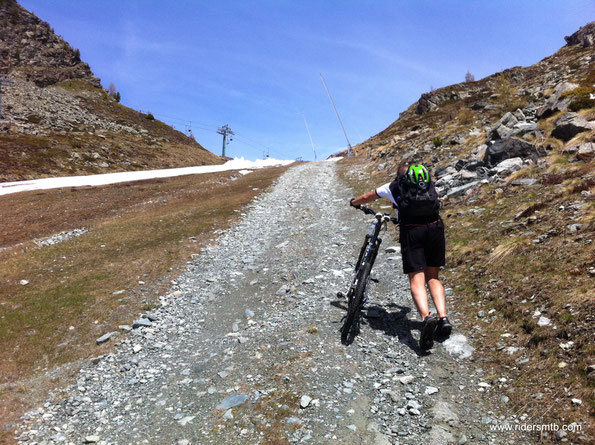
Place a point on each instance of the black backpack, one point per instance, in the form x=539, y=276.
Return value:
x=415, y=200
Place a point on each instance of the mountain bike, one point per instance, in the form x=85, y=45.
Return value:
x=357, y=295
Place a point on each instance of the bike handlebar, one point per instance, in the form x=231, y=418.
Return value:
x=384, y=216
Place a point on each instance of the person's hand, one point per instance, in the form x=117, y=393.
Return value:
x=353, y=205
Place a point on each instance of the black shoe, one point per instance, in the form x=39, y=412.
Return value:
x=426, y=341
x=444, y=327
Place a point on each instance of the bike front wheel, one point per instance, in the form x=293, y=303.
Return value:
x=355, y=304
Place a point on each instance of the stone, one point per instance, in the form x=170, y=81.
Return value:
x=23, y=282
x=510, y=148
x=430, y=390
x=92, y=439
x=406, y=379
x=305, y=401
x=586, y=152
x=185, y=420
x=544, y=321
x=555, y=103
x=105, y=337
x=231, y=401
x=142, y=322
x=248, y=313
x=507, y=167
x=228, y=415
x=459, y=191
x=569, y=125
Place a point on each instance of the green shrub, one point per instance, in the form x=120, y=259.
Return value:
x=582, y=98
x=437, y=141
x=150, y=116
x=34, y=119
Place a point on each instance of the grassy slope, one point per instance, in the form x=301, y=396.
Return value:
x=79, y=151
x=142, y=231
x=494, y=264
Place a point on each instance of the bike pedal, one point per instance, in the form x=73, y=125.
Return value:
x=375, y=280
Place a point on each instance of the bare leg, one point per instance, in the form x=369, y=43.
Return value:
x=436, y=290
x=418, y=291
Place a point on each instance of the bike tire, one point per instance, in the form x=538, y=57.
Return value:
x=355, y=305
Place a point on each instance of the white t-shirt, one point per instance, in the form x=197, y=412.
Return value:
x=384, y=192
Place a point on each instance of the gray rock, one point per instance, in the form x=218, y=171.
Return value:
x=507, y=167
x=569, y=125
x=510, y=148
x=142, y=322
x=231, y=401
x=555, y=103
x=305, y=401
x=586, y=152
x=585, y=36
x=248, y=313
x=544, y=321
x=458, y=191
x=105, y=337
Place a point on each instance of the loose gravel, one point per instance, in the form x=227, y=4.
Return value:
x=245, y=347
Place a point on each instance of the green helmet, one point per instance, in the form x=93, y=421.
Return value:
x=418, y=174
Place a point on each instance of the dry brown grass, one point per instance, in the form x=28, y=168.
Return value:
x=142, y=231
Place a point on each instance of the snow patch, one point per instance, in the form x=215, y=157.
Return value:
x=112, y=178
x=457, y=345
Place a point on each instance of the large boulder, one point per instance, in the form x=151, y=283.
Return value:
x=585, y=36
x=510, y=148
x=569, y=125
x=556, y=102
x=503, y=128
x=586, y=152
x=507, y=167
x=426, y=104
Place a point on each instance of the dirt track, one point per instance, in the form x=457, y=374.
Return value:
x=256, y=316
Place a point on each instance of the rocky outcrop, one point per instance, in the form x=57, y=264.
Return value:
x=556, y=102
x=585, y=36
x=569, y=125
x=29, y=47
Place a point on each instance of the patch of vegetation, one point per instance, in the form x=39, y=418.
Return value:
x=34, y=119
x=465, y=117
x=581, y=98
x=437, y=141
x=506, y=91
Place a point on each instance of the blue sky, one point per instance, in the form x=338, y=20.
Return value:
x=255, y=65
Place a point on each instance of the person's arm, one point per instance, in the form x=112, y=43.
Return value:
x=365, y=198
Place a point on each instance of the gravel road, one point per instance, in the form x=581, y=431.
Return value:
x=246, y=349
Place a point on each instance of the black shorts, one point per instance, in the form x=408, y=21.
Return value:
x=422, y=246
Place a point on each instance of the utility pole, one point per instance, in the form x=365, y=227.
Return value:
x=309, y=135
x=337, y=113
x=4, y=81
x=225, y=130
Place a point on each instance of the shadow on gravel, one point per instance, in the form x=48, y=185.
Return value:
x=394, y=324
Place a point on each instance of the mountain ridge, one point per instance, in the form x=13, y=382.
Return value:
x=57, y=120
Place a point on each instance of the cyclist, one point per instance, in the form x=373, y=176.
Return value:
x=422, y=243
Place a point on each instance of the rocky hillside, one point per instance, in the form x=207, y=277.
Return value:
x=58, y=120
x=513, y=158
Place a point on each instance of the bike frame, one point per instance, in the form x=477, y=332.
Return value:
x=371, y=246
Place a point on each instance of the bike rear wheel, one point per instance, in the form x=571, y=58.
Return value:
x=355, y=304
